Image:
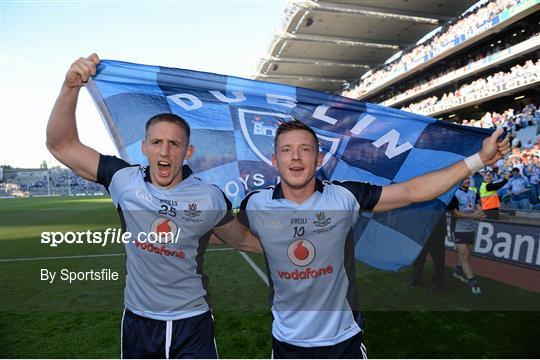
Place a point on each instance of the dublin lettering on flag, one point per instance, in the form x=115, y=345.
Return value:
x=233, y=122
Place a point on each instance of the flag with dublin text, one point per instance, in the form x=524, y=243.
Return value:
x=233, y=122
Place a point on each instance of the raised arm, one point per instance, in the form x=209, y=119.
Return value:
x=476, y=215
x=62, y=137
x=429, y=186
x=237, y=236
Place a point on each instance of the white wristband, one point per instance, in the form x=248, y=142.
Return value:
x=474, y=163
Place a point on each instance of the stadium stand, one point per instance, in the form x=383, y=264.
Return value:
x=479, y=66
x=464, y=33
x=17, y=182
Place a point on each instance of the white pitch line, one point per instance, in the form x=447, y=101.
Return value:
x=254, y=266
x=83, y=256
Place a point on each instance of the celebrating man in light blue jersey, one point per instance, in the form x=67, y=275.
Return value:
x=166, y=313
x=468, y=214
x=309, y=248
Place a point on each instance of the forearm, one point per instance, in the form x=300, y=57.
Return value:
x=237, y=236
x=434, y=184
x=422, y=188
x=496, y=186
x=464, y=215
x=62, y=126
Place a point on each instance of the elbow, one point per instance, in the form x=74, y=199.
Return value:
x=253, y=250
x=58, y=149
x=53, y=147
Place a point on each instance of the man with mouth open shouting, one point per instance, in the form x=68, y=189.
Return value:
x=167, y=313
x=309, y=250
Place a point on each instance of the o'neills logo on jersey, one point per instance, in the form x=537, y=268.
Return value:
x=164, y=230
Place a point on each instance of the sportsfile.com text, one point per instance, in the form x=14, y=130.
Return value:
x=109, y=236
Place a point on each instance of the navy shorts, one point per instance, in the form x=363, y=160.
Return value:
x=146, y=338
x=464, y=238
x=352, y=348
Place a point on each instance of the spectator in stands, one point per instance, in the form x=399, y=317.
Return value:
x=518, y=187
x=529, y=112
x=469, y=25
x=515, y=161
x=479, y=88
x=533, y=173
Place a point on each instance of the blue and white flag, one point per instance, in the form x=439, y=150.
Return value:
x=233, y=123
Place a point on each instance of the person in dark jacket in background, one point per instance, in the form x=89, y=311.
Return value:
x=434, y=246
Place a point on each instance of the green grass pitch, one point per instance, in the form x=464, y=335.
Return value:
x=82, y=320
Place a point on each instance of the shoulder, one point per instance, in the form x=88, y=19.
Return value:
x=212, y=191
x=365, y=194
x=355, y=187
x=211, y=188
x=257, y=197
x=109, y=166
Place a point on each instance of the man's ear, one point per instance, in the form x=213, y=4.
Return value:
x=189, y=152
x=143, y=147
x=320, y=158
x=274, y=161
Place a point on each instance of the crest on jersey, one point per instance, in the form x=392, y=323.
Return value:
x=164, y=229
x=192, y=210
x=301, y=252
x=322, y=220
x=259, y=130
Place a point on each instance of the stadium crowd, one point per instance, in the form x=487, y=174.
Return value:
x=525, y=155
x=448, y=72
x=468, y=24
x=56, y=181
x=479, y=88
x=522, y=169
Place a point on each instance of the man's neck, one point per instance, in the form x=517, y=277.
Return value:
x=298, y=195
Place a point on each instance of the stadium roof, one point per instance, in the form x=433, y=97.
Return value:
x=324, y=44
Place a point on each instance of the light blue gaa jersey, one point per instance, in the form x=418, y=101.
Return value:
x=309, y=251
x=164, y=279
x=466, y=204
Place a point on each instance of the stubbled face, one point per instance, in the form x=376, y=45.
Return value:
x=166, y=147
x=296, y=158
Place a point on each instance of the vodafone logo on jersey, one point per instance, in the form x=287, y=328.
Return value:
x=301, y=252
x=165, y=229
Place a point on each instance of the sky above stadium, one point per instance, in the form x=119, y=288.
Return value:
x=40, y=40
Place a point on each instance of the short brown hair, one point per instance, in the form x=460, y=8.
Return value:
x=170, y=118
x=295, y=125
